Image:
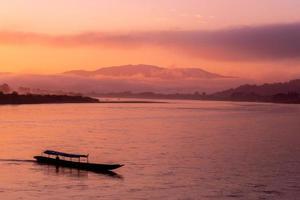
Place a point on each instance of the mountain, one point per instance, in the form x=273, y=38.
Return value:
x=147, y=71
x=287, y=92
x=266, y=89
x=134, y=78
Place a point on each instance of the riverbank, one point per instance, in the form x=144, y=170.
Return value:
x=15, y=98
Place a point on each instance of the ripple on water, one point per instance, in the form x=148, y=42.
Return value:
x=199, y=150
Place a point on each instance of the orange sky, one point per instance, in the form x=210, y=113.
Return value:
x=46, y=36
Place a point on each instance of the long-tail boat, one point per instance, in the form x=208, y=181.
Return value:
x=60, y=159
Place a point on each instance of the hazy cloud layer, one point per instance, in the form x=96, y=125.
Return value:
x=272, y=42
x=102, y=85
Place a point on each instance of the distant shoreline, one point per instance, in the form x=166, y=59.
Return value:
x=18, y=99
x=23, y=99
x=278, y=99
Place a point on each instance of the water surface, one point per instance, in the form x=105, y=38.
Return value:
x=179, y=150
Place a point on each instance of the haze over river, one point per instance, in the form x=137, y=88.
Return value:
x=176, y=150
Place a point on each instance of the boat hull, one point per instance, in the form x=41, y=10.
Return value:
x=77, y=165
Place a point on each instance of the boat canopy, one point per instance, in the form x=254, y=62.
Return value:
x=57, y=153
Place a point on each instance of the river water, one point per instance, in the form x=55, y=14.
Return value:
x=176, y=150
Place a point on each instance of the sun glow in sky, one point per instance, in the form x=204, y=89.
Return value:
x=51, y=36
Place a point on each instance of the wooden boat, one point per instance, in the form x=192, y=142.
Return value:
x=60, y=160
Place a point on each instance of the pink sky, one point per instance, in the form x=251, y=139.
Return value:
x=46, y=36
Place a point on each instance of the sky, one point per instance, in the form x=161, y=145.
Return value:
x=258, y=38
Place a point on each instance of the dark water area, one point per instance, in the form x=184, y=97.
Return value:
x=178, y=150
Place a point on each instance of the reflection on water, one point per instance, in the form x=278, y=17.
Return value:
x=59, y=170
x=179, y=150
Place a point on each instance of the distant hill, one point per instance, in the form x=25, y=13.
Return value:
x=287, y=92
x=147, y=71
x=263, y=90
x=134, y=78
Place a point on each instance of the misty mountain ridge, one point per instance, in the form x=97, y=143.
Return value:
x=287, y=92
x=147, y=71
x=267, y=89
x=134, y=78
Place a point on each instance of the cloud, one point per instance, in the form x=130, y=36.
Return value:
x=198, y=16
x=270, y=42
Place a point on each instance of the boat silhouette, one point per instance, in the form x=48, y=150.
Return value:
x=60, y=159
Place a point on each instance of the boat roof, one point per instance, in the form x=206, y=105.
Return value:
x=57, y=153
